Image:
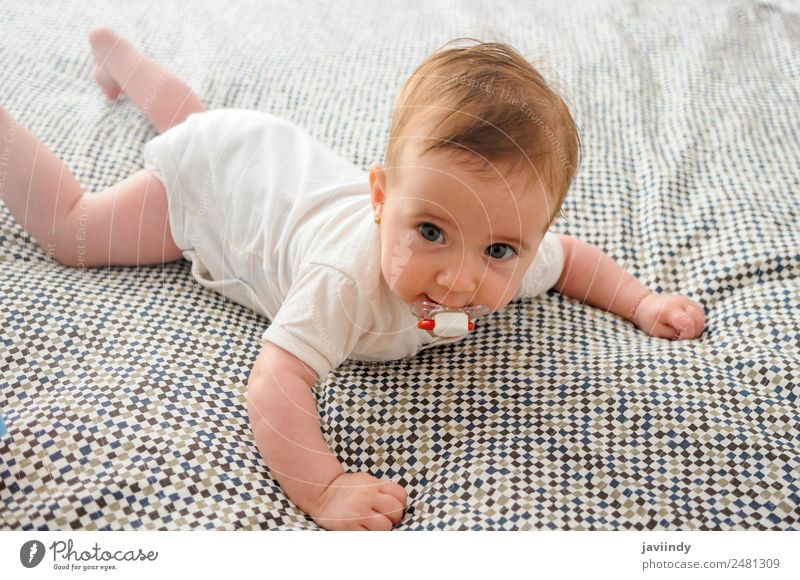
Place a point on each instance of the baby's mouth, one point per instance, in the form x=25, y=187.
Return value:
x=445, y=321
x=429, y=299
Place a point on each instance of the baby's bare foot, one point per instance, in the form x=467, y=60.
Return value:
x=103, y=40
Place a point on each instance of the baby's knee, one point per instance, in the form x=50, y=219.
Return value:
x=64, y=252
x=67, y=244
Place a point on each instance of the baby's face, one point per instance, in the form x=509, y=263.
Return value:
x=453, y=236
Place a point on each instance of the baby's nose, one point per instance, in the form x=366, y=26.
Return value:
x=459, y=281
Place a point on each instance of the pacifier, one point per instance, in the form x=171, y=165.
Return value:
x=445, y=321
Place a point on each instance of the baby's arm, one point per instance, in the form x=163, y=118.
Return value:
x=286, y=427
x=593, y=277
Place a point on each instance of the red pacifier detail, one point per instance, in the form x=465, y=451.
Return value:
x=445, y=321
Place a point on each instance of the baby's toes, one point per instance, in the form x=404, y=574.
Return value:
x=106, y=83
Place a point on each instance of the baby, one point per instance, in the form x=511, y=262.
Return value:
x=345, y=263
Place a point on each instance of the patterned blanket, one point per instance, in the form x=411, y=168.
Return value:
x=123, y=389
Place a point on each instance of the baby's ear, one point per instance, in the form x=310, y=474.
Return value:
x=377, y=179
x=373, y=175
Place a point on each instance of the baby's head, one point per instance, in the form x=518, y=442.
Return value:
x=481, y=154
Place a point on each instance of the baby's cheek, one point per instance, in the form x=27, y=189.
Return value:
x=502, y=295
x=508, y=293
x=399, y=272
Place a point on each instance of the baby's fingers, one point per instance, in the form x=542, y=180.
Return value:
x=389, y=506
x=696, y=311
x=662, y=331
x=378, y=522
x=395, y=490
x=681, y=321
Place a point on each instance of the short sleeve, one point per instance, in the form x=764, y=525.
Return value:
x=321, y=319
x=545, y=270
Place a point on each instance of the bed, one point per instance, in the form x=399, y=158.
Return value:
x=123, y=389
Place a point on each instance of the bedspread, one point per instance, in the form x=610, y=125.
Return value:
x=123, y=389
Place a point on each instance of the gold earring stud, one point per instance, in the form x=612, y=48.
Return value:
x=377, y=218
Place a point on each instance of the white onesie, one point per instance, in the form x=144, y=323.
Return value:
x=276, y=221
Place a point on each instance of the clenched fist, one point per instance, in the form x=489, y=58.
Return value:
x=359, y=501
x=670, y=316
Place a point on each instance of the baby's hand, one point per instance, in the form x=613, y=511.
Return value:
x=359, y=501
x=670, y=316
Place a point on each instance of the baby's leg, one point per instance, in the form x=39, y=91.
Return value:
x=120, y=68
x=126, y=224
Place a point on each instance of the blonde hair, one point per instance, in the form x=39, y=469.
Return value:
x=488, y=102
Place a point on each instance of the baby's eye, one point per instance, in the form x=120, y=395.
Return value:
x=429, y=231
x=501, y=256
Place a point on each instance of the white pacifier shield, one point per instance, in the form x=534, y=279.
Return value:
x=449, y=324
